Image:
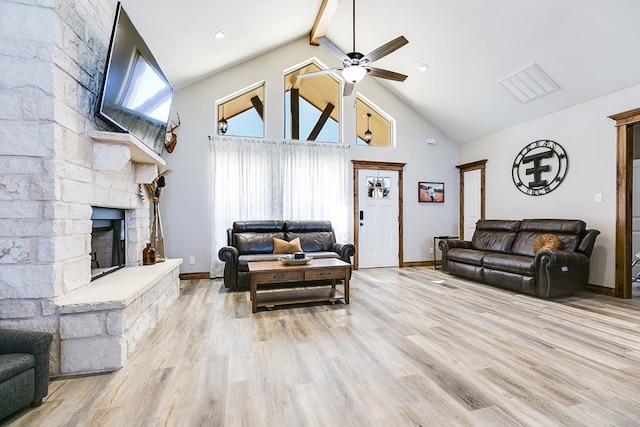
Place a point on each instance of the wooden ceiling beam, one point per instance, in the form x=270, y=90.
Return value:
x=325, y=15
x=295, y=114
x=326, y=113
x=257, y=104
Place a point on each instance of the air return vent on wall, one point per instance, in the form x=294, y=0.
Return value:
x=529, y=83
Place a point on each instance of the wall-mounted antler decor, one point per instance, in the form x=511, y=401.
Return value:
x=172, y=139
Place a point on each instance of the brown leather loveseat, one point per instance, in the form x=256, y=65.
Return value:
x=501, y=253
x=253, y=241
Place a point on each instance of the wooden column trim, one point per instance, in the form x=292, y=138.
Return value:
x=624, y=184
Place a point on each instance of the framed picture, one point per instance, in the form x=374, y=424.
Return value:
x=432, y=192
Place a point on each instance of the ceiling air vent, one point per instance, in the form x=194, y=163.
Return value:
x=529, y=83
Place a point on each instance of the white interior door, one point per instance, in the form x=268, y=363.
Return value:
x=378, y=218
x=472, y=202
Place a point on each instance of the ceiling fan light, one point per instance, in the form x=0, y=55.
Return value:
x=354, y=74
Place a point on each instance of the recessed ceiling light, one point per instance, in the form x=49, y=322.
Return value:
x=422, y=67
x=219, y=35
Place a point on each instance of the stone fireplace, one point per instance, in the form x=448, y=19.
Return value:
x=54, y=167
x=98, y=320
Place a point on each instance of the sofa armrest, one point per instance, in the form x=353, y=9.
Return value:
x=588, y=241
x=230, y=255
x=35, y=343
x=560, y=273
x=559, y=258
x=345, y=250
x=445, y=244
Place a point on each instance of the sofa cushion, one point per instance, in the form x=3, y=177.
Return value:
x=267, y=226
x=283, y=247
x=255, y=243
x=17, y=392
x=495, y=235
x=467, y=256
x=315, y=236
x=569, y=231
x=14, y=363
x=517, y=264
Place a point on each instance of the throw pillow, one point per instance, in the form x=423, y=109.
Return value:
x=546, y=242
x=283, y=247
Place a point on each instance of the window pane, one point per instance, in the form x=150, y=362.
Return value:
x=379, y=124
x=315, y=114
x=378, y=187
x=243, y=113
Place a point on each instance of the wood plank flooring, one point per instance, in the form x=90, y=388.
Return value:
x=415, y=347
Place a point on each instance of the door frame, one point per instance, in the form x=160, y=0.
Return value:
x=467, y=167
x=366, y=164
x=624, y=178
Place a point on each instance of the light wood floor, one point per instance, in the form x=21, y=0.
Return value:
x=414, y=347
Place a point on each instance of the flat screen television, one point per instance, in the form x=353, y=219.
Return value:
x=136, y=96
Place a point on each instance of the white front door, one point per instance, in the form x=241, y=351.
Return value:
x=472, y=202
x=378, y=218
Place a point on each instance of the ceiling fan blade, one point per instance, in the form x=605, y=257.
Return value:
x=385, y=74
x=385, y=49
x=337, y=52
x=318, y=73
x=348, y=89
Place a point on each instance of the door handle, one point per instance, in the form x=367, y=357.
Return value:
x=361, y=216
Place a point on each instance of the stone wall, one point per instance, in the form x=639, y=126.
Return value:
x=52, y=56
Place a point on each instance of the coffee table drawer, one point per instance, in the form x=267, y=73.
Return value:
x=324, y=274
x=279, y=276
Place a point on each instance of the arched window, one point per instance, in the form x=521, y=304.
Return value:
x=242, y=114
x=312, y=104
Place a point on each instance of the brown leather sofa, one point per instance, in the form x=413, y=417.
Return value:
x=501, y=254
x=253, y=241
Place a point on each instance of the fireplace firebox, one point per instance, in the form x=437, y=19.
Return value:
x=107, y=241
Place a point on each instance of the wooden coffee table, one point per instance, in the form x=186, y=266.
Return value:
x=274, y=272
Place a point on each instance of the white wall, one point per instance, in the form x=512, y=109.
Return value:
x=589, y=138
x=186, y=203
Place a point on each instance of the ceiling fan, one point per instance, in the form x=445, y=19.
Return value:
x=355, y=65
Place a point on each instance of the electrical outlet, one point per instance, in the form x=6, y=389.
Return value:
x=192, y=260
x=598, y=198
x=430, y=251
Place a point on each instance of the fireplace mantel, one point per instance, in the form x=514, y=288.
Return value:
x=112, y=150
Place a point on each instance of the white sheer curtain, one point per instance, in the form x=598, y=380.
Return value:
x=254, y=179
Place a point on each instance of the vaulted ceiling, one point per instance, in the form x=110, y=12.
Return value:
x=587, y=47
